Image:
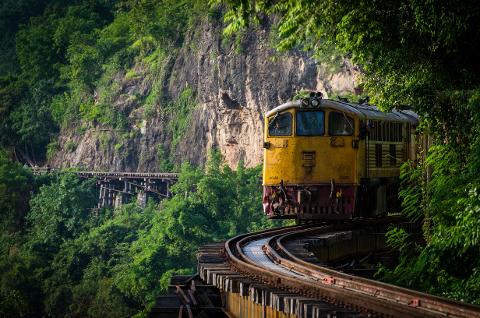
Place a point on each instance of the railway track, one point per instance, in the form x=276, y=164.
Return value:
x=264, y=258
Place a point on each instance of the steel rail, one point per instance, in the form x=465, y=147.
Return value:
x=316, y=285
x=308, y=286
x=407, y=297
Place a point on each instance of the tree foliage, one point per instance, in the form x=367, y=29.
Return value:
x=71, y=262
x=422, y=54
x=15, y=186
x=60, y=59
x=207, y=206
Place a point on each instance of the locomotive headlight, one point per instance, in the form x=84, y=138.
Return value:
x=314, y=102
x=305, y=102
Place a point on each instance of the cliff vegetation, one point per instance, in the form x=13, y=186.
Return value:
x=92, y=84
x=105, y=84
x=64, y=65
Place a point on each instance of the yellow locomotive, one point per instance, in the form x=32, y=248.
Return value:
x=327, y=159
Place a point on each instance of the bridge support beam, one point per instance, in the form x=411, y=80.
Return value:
x=115, y=191
x=118, y=200
x=142, y=199
x=117, y=188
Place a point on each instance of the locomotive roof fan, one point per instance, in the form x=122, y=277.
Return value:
x=313, y=101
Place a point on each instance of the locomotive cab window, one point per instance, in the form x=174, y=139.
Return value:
x=310, y=123
x=280, y=124
x=339, y=124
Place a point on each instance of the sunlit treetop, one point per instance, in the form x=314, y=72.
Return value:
x=419, y=53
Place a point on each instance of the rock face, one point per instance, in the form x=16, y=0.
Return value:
x=234, y=86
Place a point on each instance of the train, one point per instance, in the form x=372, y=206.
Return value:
x=333, y=159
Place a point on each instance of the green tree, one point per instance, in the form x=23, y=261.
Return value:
x=69, y=262
x=20, y=292
x=422, y=54
x=59, y=212
x=36, y=50
x=83, y=270
x=11, y=91
x=15, y=186
x=203, y=210
x=60, y=58
x=32, y=122
x=14, y=13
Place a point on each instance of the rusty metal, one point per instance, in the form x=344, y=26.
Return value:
x=189, y=297
x=192, y=297
x=183, y=298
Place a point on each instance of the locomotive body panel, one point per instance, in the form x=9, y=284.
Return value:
x=310, y=161
x=331, y=160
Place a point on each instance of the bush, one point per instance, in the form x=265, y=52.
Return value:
x=72, y=262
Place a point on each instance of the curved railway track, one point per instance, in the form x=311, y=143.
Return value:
x=263, y=256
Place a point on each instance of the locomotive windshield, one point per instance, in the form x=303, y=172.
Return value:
x=310, y=123
x=280, y=124
x=339, y=124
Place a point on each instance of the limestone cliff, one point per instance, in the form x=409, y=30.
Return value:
x=234, y=85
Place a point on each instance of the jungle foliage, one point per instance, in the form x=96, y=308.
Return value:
x=58, y=64
x=61, y=259
x=425, y=54
x=61, y=63
x=61, y=67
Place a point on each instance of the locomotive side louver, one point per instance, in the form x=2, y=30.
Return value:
x=308, y=159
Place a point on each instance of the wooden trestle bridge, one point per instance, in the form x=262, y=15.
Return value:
x=117, y=188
